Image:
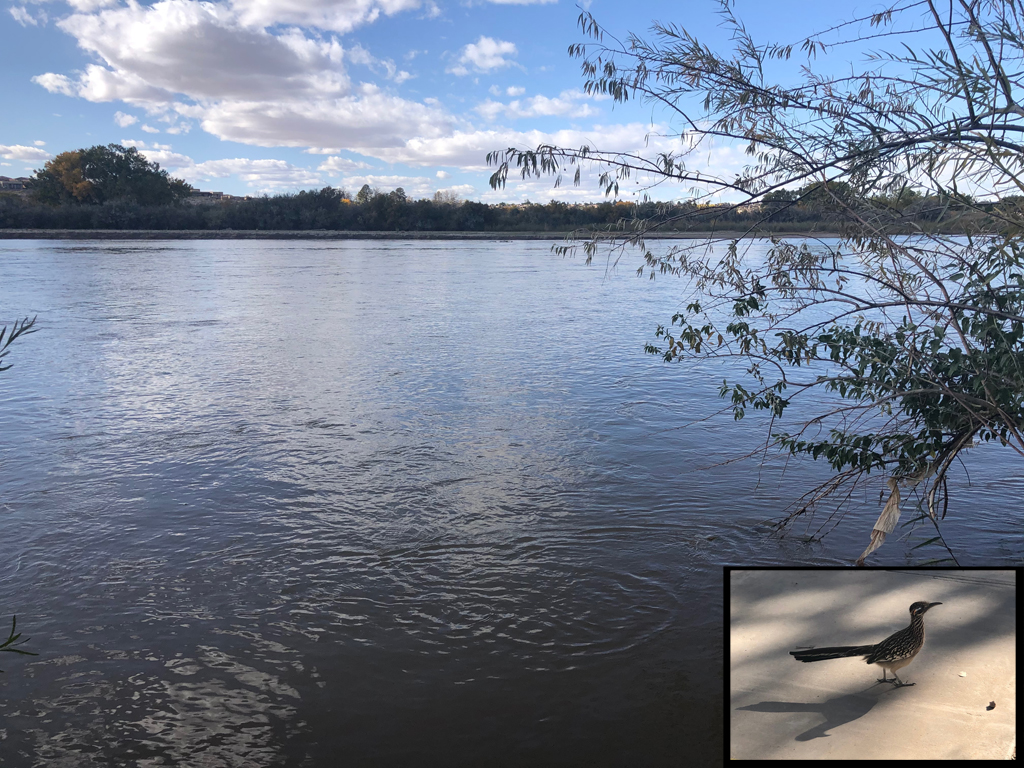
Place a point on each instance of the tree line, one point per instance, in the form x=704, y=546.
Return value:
x=115, y=187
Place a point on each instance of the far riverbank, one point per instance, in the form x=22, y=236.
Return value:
x=320, y=234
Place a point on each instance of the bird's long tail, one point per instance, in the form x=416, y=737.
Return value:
x=840, y=652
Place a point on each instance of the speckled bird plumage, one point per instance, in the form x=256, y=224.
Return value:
x=892, y=653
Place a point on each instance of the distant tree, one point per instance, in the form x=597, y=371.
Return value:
x=825, y=196
x=901, y=199
x=781, y=196
x=62, y=180
x=365, y=194
x=447, y=197
x=915, y=345
x=101, y=174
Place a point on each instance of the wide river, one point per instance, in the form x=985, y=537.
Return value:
x=380, y=503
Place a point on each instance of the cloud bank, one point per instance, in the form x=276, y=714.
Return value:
x=279, y=73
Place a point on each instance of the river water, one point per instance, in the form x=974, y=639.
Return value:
x=376, y=503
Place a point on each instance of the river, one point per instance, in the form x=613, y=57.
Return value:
x=377, y=503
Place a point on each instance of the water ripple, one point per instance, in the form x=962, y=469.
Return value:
x=270, y=503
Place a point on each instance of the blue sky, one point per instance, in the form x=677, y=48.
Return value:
x=267, y=96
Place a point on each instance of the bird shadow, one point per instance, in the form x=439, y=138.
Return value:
x=837, y=712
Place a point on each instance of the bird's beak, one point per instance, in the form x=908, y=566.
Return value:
x=931, y=604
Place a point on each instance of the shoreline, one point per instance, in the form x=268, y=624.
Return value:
x=320, y=234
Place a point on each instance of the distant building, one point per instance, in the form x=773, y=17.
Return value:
x=200, y=197
x=21, y=184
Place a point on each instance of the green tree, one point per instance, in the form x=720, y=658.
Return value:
x=106, y=173
x=365, y=194
x=446, y=197
x=26, y=326
x=914, y=343
x=62, y=180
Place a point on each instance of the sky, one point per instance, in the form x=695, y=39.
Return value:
x=254, y=97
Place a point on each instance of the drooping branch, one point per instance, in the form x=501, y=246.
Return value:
x=920, y=334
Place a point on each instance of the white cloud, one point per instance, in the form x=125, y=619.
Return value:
x=56, y=83
x=484, y=55
x=359, y=55
x=366, y=122
x=100, y=84
x=257, y=72
x=260, y=175
x=140, y=145
x=567, y=103
x=199, y=49
x=443, y=175
x=512, y=90
x=723, y=161
x=339, y=165
x=460, y=189
x=86, y=6
x=386, y=67
x=39, y=143
x=334, y=15
x=174, y=162
x=181, y=165
x=490, y=110
x=468, y=149
x=149, y=128
x=522, y=2
x=22, y=16
x=21, y=152
x=243, y=84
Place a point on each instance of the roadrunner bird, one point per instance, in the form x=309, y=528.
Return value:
x=895, y=652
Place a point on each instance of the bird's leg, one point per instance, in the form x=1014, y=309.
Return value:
x=900, y=683
x=897, y=683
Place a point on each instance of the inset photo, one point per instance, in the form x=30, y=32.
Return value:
x=871, y=664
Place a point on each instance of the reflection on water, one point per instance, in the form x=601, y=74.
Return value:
x=283, y=503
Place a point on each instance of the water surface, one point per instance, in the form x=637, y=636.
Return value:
x=375, y=503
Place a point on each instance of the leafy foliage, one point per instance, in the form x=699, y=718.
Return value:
x=106, y=173
x=13, y=640
x=907, y=341
x=17, y=330
x=25, y=326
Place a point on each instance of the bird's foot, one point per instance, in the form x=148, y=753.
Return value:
x=895, y=683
